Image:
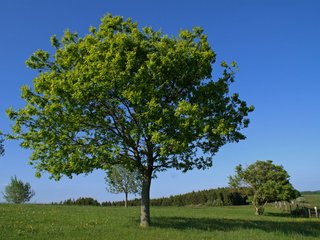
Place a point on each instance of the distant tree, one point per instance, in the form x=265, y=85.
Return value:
x=128, y=90
x=268, y=182
x=18, y=192
x=87, y=201
x=121, y=180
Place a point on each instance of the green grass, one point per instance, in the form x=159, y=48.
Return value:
x=312, y=199
x=76, y=222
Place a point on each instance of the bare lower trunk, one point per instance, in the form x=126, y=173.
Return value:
x=145, y=201
x=259, y=208
x=126, y=200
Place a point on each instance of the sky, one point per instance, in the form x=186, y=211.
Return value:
x=274, y=42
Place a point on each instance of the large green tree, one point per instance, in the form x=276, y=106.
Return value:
x=266, y=181
x=130, y=96
x=18, y=191
x=121, y=180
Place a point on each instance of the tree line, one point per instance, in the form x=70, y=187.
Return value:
x=263, y=182
x=210, y=197
x=84, y=201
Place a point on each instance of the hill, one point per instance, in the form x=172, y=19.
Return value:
x=310, y=192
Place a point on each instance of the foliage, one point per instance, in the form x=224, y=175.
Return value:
x=38, y=222
x=18, y=192
x=211, y=197
x=84, y=201
x=127, y=95
x=121, y=180
x=267, y=181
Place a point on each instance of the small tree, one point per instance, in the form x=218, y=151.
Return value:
x=121, y=180
x=268, y=182
x=18, y=192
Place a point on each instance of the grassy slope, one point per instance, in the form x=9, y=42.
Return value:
x=312, y=199
x=74, y=222
x=310, y=192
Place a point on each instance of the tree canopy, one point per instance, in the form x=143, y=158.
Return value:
x=267, y=181
x=18, y=192
x=131, y=96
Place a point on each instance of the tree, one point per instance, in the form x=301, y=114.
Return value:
x=18, y=192
x=121, y=180
x=267, y=182
x=122, y=95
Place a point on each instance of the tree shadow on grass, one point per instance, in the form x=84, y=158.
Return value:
x=221, y=224
x=279, y=214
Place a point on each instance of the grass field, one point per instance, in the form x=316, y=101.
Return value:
x=312, y=199
x=76, y=222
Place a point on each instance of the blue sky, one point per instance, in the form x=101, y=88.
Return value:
x=275, y=43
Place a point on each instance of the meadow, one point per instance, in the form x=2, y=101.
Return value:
x=31, y=221
x=312, y=199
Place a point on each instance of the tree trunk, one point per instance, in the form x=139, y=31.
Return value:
x=145, y=200
x=126, y=200
x=259, y=208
